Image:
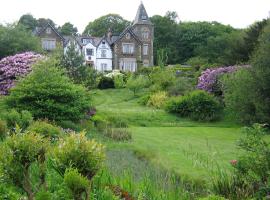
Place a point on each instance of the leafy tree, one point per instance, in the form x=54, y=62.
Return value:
x=136, y=83
x=100, y=26
x=28, y=21
x=47, y=93
x=16, y=39
x=41, y=22
x=68, y=29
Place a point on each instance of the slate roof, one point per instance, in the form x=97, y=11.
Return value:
x=39, y=31
x=142, y=16
x=128, y=29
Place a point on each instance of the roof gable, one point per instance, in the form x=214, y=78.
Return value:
x=53, y=28
x=128, y=29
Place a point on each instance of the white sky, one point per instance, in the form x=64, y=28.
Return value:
x=238, y=13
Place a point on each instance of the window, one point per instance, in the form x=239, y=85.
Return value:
x=145, y=34
x=48, y=30
x=129, y=65
x=89, y=52
x=128, y=48
x=145, y=49
x=48, y=44
x=103, y=66
x=128, y=36
x=103, y=44
x=86, y=41
x=103, y=53
x=144, y=17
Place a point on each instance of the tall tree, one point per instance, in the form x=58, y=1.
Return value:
x=28, y=21
x=100, y=26
x=41, y=22
x=68, y=29
x=15, y=39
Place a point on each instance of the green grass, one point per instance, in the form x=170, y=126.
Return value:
x=189, y=148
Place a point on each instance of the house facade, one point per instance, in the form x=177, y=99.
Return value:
x=126, y=52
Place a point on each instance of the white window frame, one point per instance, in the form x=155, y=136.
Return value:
x=48, y=44
x=128, y=65
x=145, y=34
x=103, y=53
x=103, y=66
x=128, y=48
x=145, y=49
x=90, y=49
x=48, y=30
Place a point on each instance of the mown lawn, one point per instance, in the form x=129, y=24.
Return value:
x=186, y=147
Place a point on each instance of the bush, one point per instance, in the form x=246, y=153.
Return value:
x=3, y=130
x=119, y=81
x=45, y=129
x=181, y=86
x=69, y=125
x=212, y=197
x=14, y=67
x=48, y=94
x=17, y=155
x=198, y=105
x=22, y=119
x=157, y=99
x=76, y=151
x=105, y=83
x=144, y=99
x=163, y=77
x=76, y=183
x=136, y=83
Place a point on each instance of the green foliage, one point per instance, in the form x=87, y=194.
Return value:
x=22, y=119
x=238, y=96
x=100, y=26
x=88, y=77
x=162, y=58
x=68, y=29
x=16, y=39
x=77, y=183
x=162, y=78
x=136, y=83
x=144, y=99
x=18, y=153
x=3, y=130
x=198, y=105
x=212, y=197
x=181, y=86
x=117, y=134
x=157, y=99
x=105, y=83
x=28, y=21
x=76, y=151
x=43, y=195
x=45, y=129
x=47, y=93
x=119, y=81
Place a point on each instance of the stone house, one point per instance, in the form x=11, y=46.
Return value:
x=126, y=51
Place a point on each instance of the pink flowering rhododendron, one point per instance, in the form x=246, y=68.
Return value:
x=233, y=162
x=12, y=67
x=209, y=77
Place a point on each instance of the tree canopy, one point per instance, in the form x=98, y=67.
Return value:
x=100, y=26
x=68, y=29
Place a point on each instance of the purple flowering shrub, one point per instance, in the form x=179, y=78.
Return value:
x=209, y=78
x=13, y=67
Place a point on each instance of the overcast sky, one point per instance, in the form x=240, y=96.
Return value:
x=238, y=13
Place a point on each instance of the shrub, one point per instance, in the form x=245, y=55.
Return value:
x=48, y=94
x=198, y=105
x=3, y=130
x=212, y=197
x=45, y=129
x=18, y=153
x=119, y=81
x=22, y=119
x=69, y=125
x=76, y=183
x=157, y=99
x=144, y=99
x=76, y=151
x=136, y=83
x=105, y=83
x=181, y=86
x=13, y=67
x=163, y=77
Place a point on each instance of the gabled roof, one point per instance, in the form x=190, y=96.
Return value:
x=53, y=28
x=128, y=29
x=103, y=38
x=142, y=16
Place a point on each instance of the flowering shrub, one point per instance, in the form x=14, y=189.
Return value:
x=12, y=67
x=208, y=79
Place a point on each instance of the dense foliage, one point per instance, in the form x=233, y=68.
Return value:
x=16, y=39
x=99, y=27
x=14, y=67
x=68, y=29
x=48, y=93
x=198, y=105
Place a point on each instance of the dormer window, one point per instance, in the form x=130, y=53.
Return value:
x=86, y=41
x=144, y=17
x=48, y=30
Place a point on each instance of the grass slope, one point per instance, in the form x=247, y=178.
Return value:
x=186, y=147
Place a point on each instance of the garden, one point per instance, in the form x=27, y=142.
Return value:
x=167, y=132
